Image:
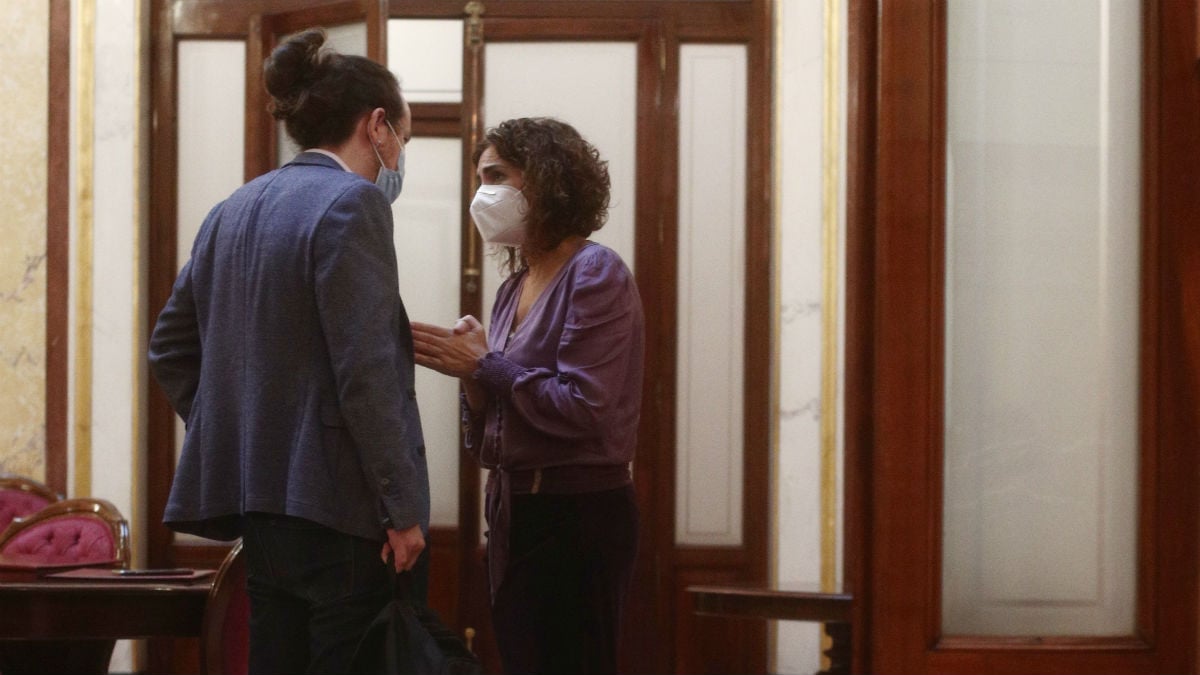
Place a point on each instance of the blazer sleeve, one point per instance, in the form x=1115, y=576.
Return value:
x=174, y=349
x=358, y=301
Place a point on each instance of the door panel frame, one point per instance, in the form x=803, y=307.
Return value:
x=894, y=357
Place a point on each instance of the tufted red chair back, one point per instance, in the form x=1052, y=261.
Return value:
x=225, y=635
x=65, y=533
x=20, y=497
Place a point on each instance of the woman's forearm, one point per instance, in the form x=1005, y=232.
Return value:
x=475, y=393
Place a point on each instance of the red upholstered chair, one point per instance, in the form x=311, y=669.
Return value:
x=225, y=635
x=21, y=496
x=69, y=532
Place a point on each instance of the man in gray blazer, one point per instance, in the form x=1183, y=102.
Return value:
x=286, y=349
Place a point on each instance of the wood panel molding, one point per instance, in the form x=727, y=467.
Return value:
x=861, y=150
x=58, y=242
x=162, y=236
x=438, y=120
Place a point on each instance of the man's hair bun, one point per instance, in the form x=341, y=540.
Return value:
x=320, y=94
x=292, y=68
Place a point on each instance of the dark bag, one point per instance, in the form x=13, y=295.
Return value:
x=410, y=639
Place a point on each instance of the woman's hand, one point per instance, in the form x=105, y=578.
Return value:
x=451, y=351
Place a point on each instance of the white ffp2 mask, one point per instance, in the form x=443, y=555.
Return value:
x=499, y=214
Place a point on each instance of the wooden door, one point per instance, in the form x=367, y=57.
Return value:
x=661, y=634
x=897, y=356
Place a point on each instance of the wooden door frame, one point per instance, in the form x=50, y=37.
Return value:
x=894, y=356
x=58, y=243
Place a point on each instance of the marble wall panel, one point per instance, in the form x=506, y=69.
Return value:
x=23, y=124
x=800, y=88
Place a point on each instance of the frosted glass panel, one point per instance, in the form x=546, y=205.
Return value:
x=428, y=240
x=212, y=89
x=428, y=236
x=211, y=129
x=350, y=38
x=712, y=263
x=1042, y=265
x=426, y=54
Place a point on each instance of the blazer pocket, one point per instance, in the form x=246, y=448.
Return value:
x=331, y=415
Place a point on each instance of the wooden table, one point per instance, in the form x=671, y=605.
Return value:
x=57, y=626
x=784, y=602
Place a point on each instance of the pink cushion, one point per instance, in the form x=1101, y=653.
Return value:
x=18, y=503
x=68, y=540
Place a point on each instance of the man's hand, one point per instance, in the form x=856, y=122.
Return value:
x=405, y=545
x=450, y=351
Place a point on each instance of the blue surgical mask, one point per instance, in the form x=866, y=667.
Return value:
x=391, y=181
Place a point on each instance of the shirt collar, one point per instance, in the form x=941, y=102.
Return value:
x=330, y=154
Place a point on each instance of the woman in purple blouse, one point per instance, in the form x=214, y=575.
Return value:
x=551, y=400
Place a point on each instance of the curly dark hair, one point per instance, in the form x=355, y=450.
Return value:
x=566, y=182
x=321, y=94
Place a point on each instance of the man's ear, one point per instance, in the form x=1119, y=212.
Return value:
x=376, y=126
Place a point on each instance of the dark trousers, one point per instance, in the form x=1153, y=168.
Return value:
x=570, y=563
x=313, y=591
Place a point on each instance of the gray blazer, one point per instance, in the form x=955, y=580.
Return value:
x=286, y=349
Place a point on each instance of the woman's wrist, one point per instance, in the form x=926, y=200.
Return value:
x=496, y=372
x=474, y=394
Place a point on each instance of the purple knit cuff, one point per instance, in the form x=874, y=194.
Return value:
x=496, y=372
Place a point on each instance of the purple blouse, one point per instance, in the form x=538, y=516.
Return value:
x=565, y=387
